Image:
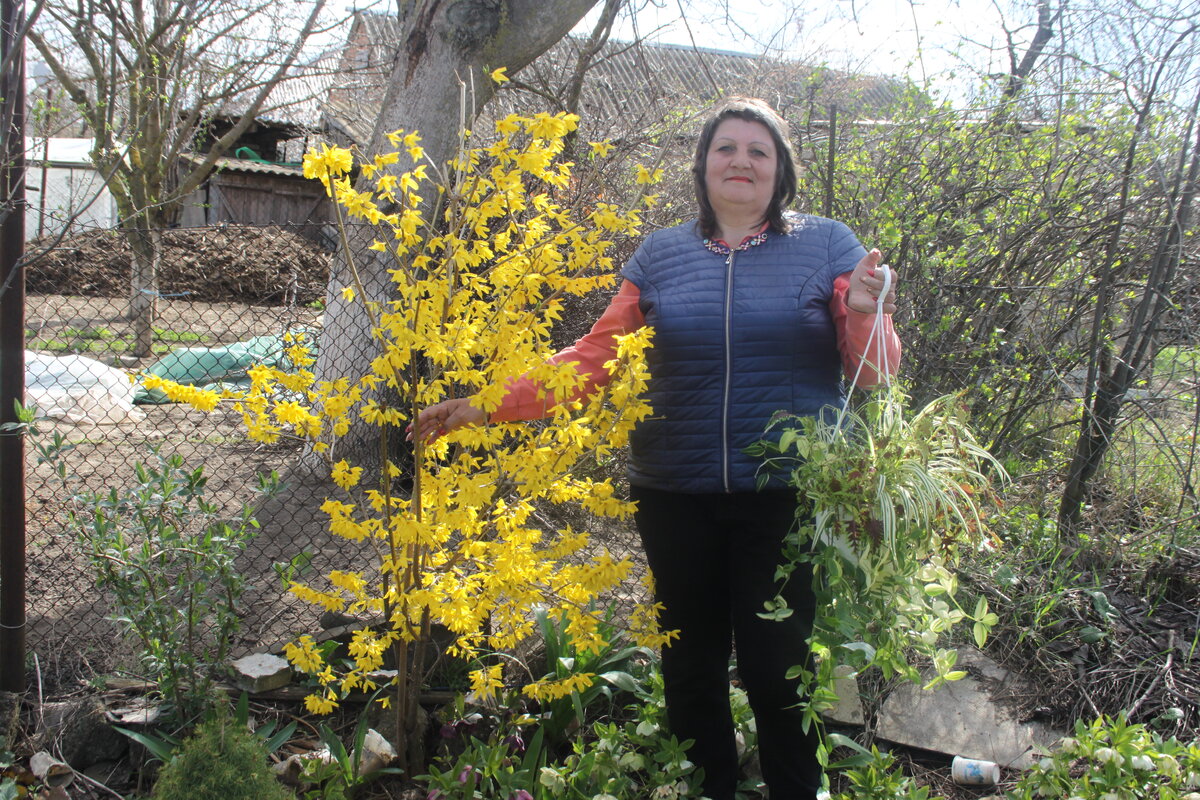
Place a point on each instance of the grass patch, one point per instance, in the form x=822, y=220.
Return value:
x=103, y=341
x=180, y=337
x=88, y=341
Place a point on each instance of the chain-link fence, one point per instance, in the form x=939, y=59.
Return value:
x=227, y=295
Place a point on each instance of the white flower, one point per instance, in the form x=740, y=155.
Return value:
x=1142, y=762
x=1046, y=764
x=1068, y=745
x=1108, y=755
x=604, y=797
x=1110, y=796
x=647, y=728
x=1168, y=766
x=632, y=761
x=1191, y=796
x=1193, y=780
x=551, y=779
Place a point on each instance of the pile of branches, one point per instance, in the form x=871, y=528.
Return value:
x=259, y=265
x=1125, y=641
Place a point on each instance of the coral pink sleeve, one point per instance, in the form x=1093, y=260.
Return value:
x=854, y=338
x=589, y=355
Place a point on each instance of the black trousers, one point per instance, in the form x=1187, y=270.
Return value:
x=713, y=557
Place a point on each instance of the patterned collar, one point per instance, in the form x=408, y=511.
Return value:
x=719, y=246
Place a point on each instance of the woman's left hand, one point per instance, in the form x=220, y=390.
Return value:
x=866, y=282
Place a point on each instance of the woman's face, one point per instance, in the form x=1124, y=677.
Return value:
x=740, y=168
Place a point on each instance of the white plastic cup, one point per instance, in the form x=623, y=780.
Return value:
x=974, y=772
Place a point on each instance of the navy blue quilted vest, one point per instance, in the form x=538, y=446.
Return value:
x=736, y=338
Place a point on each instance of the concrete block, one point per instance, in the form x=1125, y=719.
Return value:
x=848, y=710
x=261, y=672
x=967, y=717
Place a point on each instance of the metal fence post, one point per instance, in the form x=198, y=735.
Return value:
x=832, y=160
x=12, y=342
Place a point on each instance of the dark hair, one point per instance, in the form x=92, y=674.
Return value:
x=753, y=110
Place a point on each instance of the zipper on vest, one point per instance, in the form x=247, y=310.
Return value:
x=728, y=370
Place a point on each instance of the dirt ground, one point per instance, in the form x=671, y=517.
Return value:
x=69, y=631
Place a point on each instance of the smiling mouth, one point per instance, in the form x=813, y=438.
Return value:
x=739, y=179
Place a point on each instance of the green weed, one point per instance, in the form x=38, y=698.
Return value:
x=180, y=337
x=101, y=341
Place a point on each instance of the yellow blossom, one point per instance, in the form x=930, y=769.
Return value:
x=498, y=75
x=326, y=163
x=303, y=654
x=549, y=691
x=485, y=682
x=346, y=476
x=547, y=126
x=509, y=125
x=474, y=297
x=320, y=704
x=648, y=176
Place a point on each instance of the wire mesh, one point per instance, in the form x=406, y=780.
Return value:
x=217, y=287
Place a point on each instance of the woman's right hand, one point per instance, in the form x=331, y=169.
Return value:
x=443, y=417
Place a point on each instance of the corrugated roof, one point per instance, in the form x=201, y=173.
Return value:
x=299, y=99
x=630, y=86
x=631, y=79
x=249, y=165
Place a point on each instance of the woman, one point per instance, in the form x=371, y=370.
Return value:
x=753, y=312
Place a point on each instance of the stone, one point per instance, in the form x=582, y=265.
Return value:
x=79, y=731
x=141, y=712
x=261, y=672
x=849, y=710
x=10, y=719
x=377, y=753
x=116, y=776
x=383, y=720
x=967, y=717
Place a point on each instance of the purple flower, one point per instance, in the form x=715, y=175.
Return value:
x=434, y=794
x=515, y=744
x=466, y=725
x=449, y=731
x=521, y=795
x=465, y=774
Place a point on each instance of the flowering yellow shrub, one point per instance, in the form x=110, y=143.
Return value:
x=477, y=283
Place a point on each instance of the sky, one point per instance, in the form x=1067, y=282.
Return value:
x=926, y=40
x=919, y=39
x=916, y=38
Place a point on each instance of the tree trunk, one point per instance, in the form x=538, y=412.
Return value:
x=438, y=84
x=1101, y=410
x=145, y=254
x=1101, y=417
